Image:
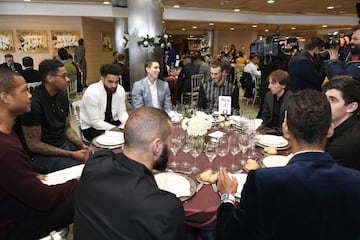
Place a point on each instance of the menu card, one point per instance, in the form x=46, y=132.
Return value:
x=225, y=105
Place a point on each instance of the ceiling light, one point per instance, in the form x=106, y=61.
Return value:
x=293, y=28
x=183, y=29
x=330, y=7
x=194, y=27
x=163, y=21
x=270, y=1
x=27, y=0
x=232, y=29
x=335, y=33
x=236, y=10
x=176, y=6
x=266, y=30
x=106, y=2
x=254, y=26
x=211, y=23
x=324, y=26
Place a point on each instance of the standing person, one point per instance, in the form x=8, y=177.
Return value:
x=47, y=129
x=311, y=197
x=304, y=69
x=343, y=93
x=171, y=56
x=210, y=91
x=352, y=62
x=186, y=72
x=103, y=104
x=10, y=64
x=151, y=91
x=29, y=209
x=29, y=73
x=79, y=57
x=125, y=72
x=137, y=209
x=71, y=70
x=276, y=101
x=204, y=68
x=252, y=68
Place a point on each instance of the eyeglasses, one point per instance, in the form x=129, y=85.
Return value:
x=64, y=76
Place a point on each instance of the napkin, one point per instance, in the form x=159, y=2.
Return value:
x=63, y=175
x=173, y=183
x=216, y=134
x=241, y=179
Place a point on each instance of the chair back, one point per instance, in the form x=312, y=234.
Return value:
x=196, y=81
x=72, y=89
x=76, y=114
x=33, y=85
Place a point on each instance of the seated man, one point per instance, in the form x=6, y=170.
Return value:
x=135, y=208
x=46, y=128
x=310, y=198
x=276, y=101
x=29, y=209
x=343, y=93
x=151, y=91
x=10, y=64
x=103, y=104
x=219, y=86
x=29, y=73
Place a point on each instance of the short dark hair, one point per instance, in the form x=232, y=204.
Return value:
x=7, y=83
x=28, y=61
x=281, y=76
x=81, y=41
x=122, y=57
x=348, y=86
x=150, y=61
x=312, y=42
x=308, y=116
x=8, y=55
x=63, y=54
x=48, y=67
x=217, y=64
x=146, y=119
x=112, y=69
x=253, y=56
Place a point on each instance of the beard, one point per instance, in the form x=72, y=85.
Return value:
x=161, y=162
x=355, y=49
x=110, y=90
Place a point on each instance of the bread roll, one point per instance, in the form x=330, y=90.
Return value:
x=251, y=165
x=270, y=150
x=208, y=176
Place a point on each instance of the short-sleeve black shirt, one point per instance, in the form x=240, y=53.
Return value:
x=49, y=112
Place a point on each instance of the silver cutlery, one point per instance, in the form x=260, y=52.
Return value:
x=199, y=187
x=214, y=187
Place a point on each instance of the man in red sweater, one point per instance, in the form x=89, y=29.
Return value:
x=29, y=209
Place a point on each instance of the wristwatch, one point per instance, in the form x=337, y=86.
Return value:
x=227, y=198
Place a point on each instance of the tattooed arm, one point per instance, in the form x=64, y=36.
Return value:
x=72, y=136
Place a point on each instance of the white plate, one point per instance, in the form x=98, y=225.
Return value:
x=272, y=141
x=241, y=179
x=107, y=140
x=275, y=161
x=182, y=186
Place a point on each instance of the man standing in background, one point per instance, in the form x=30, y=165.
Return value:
x=79, y=57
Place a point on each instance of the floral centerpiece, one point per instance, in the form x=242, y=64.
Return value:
x=197, y=124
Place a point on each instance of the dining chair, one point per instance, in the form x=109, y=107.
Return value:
x=72, y=89
x=33, y=85
x=76, y=114
x=256, y=89
x=193, y=95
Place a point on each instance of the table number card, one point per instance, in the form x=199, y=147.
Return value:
x=225, y=105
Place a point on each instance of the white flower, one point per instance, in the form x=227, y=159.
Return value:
x=198, y=124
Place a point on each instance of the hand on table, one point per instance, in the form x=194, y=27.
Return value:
x=79, y=155
x=225, y=183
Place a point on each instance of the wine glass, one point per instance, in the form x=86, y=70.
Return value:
x=244, y=145
x=222, y=147
x=186, y=148
x=210, y=152
x=195, y=151
x=234, y=147
x=175, y=145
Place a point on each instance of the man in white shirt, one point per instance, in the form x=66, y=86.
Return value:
x=151, y=91
x=251, y=68
x=103, y=104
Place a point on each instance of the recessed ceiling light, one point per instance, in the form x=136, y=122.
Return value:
x=232, y=29
x=106, y=2
x=27, y=0
x=183, y=29
x=330, y=7
x=266, y=30
x=324, y=26
x=293, y=28
x=270, y=1
x=194, y=27
x=211, y=23
x=163, y=21
x=236, y=10
x=254, y=26
x=176, y=6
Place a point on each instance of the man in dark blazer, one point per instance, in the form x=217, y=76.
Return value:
x=29, y=73
x=311, y=197
x=10, y=64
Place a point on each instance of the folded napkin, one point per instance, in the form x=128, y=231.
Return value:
x=173, y=183
x=241, y=179
x=63, y=175
x=216, y=134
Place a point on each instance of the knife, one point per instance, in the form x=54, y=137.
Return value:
x=199, y=187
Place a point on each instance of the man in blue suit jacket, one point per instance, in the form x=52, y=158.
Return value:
x=310, y=198
x=151, y=91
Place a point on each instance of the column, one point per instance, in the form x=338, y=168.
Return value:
x=121, y=26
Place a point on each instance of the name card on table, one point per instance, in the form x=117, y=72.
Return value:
x=225, y=105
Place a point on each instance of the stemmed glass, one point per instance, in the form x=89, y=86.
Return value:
x=244, y=145
x=222, y=147
x=234, y=147
x=195, y=151
x=210, y=152
x=186, y=148
x=175, y=145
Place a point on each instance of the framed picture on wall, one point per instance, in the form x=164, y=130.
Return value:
x=64, y=39
x=6, y=41
x=32, y=41
x=107, y=42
